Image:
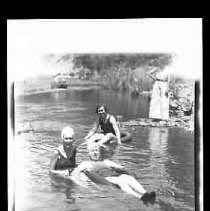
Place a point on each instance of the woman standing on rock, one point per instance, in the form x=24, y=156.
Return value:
x=159, y=104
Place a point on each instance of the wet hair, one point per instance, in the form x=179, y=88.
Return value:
x=99, y=106
x=67, y=129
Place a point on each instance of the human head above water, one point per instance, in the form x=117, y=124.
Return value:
x=94, y=151
x=93, y=145
x=99, y=106
x=67, y=132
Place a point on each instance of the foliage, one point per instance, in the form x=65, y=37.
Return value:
x=121, y=71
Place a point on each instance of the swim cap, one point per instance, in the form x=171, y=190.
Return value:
x=67, y=131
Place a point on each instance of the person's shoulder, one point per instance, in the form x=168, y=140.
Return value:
x=112, y=118
x=75, y=146
x=58, y=149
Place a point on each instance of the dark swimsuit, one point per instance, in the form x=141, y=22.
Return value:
x=65, y=163
x=106, y=127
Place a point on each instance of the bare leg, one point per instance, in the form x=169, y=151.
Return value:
x=94, y=138
x=106, y=138
x=128, y=184
x=133, y=183
x=123, y=185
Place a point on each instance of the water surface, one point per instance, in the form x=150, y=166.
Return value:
x=162, y=158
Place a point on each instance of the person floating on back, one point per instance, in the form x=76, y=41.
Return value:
x=109, y=172
x=108, y=125
x=64, y=155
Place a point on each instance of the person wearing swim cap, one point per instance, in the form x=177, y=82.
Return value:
x=108, y=125
x=64, y=155
x=109, y=172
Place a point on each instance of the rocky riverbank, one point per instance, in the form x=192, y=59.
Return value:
x=181, y=108
x=184, y=122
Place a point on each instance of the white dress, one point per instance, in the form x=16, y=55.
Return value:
x=159, y=104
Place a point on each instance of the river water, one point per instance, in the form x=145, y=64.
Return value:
x=162, y=158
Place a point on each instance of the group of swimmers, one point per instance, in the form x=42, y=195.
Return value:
x=98, y=169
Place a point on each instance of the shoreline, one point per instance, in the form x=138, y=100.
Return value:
x=55, y=90
x=173, y=122
x=184, y=92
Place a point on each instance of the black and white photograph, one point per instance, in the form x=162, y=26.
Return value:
x=107, y=114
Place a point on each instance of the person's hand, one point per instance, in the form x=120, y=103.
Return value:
x=70, y=170
x=119, y=142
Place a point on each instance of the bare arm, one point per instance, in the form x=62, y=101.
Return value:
x=118, y=168
x=81, y=168
x=54, y=160
x=78, y=174
x=92, y=131
x=116, y=129
x=152, y=76
x=151, y=72
x=112, y=164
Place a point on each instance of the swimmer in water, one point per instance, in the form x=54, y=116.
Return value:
x=64, y=155
x=108, y=124
x=106, y=171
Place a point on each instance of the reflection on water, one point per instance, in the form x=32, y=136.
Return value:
x=171, y=155
x=162, y=158
x=120, y=103
x=158, y=139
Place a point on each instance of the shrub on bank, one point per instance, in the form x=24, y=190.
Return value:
x=121, y=71
x=124, y=78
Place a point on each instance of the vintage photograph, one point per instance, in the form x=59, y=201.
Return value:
x=105, y=114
